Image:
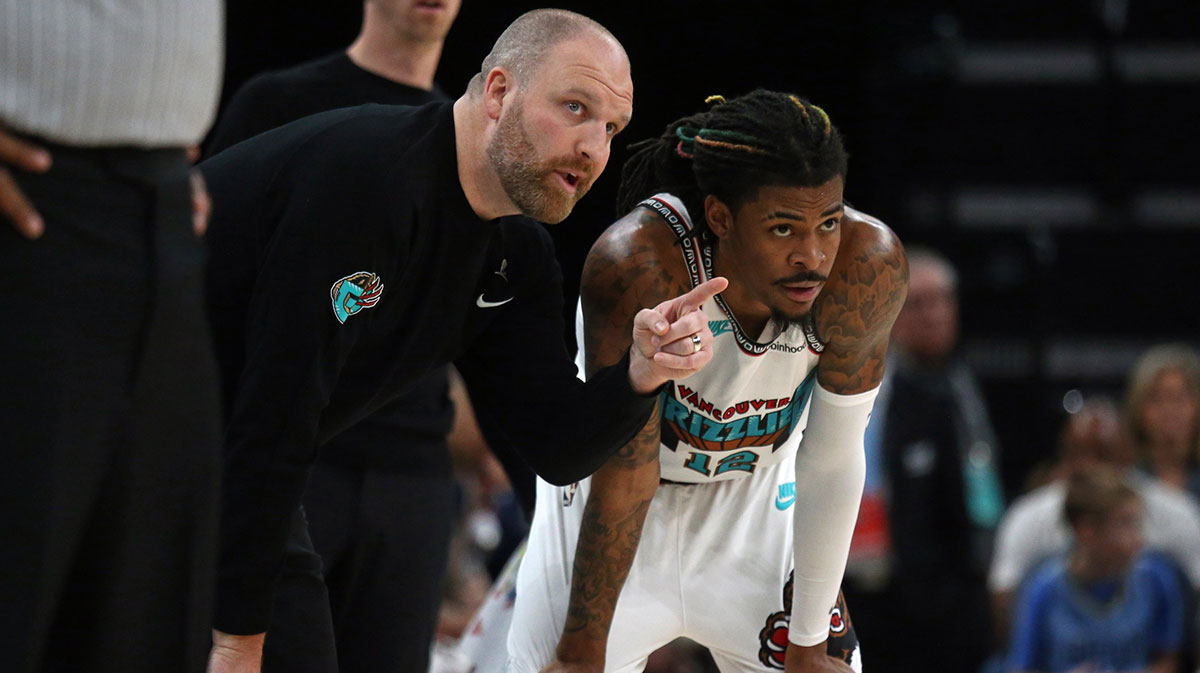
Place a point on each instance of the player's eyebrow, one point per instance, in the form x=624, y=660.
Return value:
x=835, y=208
x=787, y=215
x=784, y=215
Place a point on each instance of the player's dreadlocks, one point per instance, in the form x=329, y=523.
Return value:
x=763, y=138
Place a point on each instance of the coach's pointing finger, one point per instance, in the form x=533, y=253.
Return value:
x=651, y=366
x=674, y=309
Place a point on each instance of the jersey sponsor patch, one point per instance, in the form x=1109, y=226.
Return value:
x=354, y=293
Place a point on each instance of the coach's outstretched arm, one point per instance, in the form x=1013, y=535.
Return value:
x=854, y=316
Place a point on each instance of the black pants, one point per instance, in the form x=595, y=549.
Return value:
x=384, y=540
x=109, y=424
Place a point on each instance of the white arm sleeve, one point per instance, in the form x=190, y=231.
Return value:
x=830, y=469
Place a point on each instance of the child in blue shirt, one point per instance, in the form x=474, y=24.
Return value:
x=1106, y=607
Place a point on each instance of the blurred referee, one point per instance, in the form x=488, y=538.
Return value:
x=108, y=397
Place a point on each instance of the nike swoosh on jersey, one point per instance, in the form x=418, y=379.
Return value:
x=783, y=503
x=483, y=303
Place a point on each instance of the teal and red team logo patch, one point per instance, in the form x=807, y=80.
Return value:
x=354, y=293
x=773, y=638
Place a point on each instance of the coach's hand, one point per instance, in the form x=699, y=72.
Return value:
x=18, y=154
x=813, y=659
x=663, y=345
x=235, y=654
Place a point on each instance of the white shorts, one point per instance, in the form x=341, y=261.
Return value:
x=712, y=565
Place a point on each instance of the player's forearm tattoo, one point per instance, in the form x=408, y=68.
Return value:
x=855, y=324
x=603, y=556
x=609, y=533
x=642, y=449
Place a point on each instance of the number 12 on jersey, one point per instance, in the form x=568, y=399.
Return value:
x=742, y=461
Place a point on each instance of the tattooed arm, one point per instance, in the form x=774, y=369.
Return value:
x=634, y=264
x=854, y=315
x=861, y=300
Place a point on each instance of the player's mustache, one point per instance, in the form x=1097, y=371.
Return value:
x=802, y=277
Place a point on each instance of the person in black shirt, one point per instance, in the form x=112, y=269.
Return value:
x=393, y=60
x=355, y=250
x=387, y=480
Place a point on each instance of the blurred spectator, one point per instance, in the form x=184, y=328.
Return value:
x=1091, y=436
x=1162, y=415
x=917, y=561
x=1104, y=607
x=1034, y=528
x=464, y=588
x=393, y=60
x=924, y=346
x=109, y=400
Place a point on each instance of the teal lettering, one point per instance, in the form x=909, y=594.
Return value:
x=734, y=429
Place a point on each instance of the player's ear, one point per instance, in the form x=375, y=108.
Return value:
x=497, y=90
x=718, y=215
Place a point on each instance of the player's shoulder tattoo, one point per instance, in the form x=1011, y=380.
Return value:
x=633, y=265
x=859, y=304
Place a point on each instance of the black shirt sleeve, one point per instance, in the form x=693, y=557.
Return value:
x=527, y=391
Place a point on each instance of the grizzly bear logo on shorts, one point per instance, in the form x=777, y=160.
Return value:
x=773, y=638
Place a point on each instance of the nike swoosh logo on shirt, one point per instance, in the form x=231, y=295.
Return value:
x=483, y=303
x=782, y=503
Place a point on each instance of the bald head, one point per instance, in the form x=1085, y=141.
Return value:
x=524, y=44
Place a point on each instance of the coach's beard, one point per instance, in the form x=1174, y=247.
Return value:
x=528, y=183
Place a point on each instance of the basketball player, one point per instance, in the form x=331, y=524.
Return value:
x=753, y=466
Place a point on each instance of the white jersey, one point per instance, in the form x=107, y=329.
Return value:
x=747, y=409
x=722, y=531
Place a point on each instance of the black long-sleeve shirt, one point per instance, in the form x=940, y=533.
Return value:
x=409, y=434
x=346, y=262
